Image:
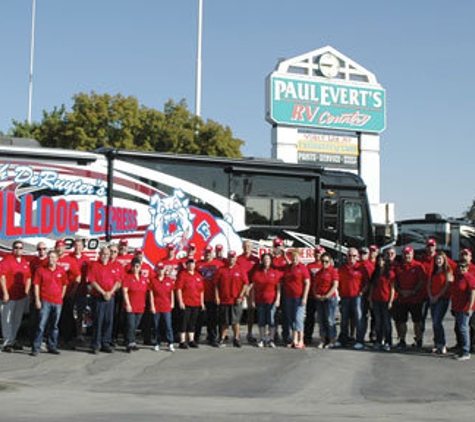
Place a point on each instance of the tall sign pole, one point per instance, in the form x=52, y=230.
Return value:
x=32, y=51
x=198, y=60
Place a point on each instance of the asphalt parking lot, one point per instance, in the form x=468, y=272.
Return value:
x=247, y=384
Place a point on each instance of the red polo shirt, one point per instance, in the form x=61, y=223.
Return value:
x=408, y=276
x=105, y=275
x=461, y=291
x=294, y=280
x=137, y=291
x=208, y=270
x=265, y=285
x=230, y=282
x=82, y=263
x=247, y=263
x=162, y=291
x=17, y=273
x=324, y=279
x=191, y=286
x=351, y=280
x=51, y=283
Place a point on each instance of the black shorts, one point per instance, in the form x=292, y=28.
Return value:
x=189, y=316
x=229, y=314
x=402, y=311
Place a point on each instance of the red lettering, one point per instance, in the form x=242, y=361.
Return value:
x=297, y=114
x=10, y=229
x=73, y=218
x=30, y=229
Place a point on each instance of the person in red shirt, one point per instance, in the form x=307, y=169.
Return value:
x=208, y=267
x=123, y=254
x=83, y=263
x=324, y=290
x=161, y=304
x=190, y=298
x=104, y=279
x=67, y=322
x=50, y=286
x=171, y=262
x=438, y=290
x=15, y=281
x=466, y=258
x=463, y=301
x=231, y=284
x=265, y=295
x=219, y=253
x=296, y=285
x=352, y=285
x=134, y=292
x=39, y=260
x=410, y=281
x=247, y=261
x=381, y=300
x=120, y=261
x=313, y=268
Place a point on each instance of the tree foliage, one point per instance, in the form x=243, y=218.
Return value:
x=115, y=121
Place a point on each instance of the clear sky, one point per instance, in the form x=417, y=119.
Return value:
x=422, y=52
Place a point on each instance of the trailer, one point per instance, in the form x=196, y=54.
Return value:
x=152, y=199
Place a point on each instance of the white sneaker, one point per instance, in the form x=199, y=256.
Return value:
x=171, y=347
x=386, y=347
x=358, y=346
x=271, y=344
x=157, y=348
x=465, y=356
x=260, y=344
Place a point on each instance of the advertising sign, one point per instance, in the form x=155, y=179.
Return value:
x=330, y=105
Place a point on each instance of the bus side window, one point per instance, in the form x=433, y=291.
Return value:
x=330, y=215
x=353, y=222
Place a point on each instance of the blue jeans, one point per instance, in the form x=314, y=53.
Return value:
x=48, y=316
x=382, y=322
x=438, y=311
x=462, y=321
x=295, y=313
x=266, y=314
x=102, y=323
x=326, y=314
x=351, y=306
x=132, y=321
x=167, y=317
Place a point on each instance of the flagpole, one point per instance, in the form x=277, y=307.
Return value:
x=32, y=51
x=198, y=60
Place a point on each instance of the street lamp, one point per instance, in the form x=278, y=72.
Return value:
x=198, y=60
x=32, y=51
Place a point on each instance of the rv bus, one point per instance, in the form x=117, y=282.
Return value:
x=152, y=199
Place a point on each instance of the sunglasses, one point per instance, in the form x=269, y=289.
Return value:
x=326, y=261
x=18, y=247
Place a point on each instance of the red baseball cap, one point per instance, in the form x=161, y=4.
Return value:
x=60, y=242
x=170, y=246
x=209, y=248
x=159, y=265
x=408, y=249
x=466, y=251
x=373, y=248
x=278, y=241
x=232, y=253
x=123, y=242
x=320, y=249
x=219, y=247
x=431, y=242
x=138, y=250
x=191, y=246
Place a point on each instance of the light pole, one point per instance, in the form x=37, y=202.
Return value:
x=32, y=52
x=198, y=60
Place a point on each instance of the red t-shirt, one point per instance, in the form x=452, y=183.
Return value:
x=162, y=291
x=105, y=275
x=191, y=286
x=461, y=291
x=382, y=287
x=437, y=282
x=265, y=285
x=137, y=291
x=16, y=275
x=293, y=280
x=324, y=279
x=208, y=270
x=82, y=263
x=351, y=280
x=51, y=283
x=230, y=282
x=172, y=267
x=247, y=263
x=279, y=262
x=408, y=276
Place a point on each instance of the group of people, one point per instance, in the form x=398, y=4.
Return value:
x=177, y=296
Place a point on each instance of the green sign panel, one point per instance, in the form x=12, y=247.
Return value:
x=305, y=102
